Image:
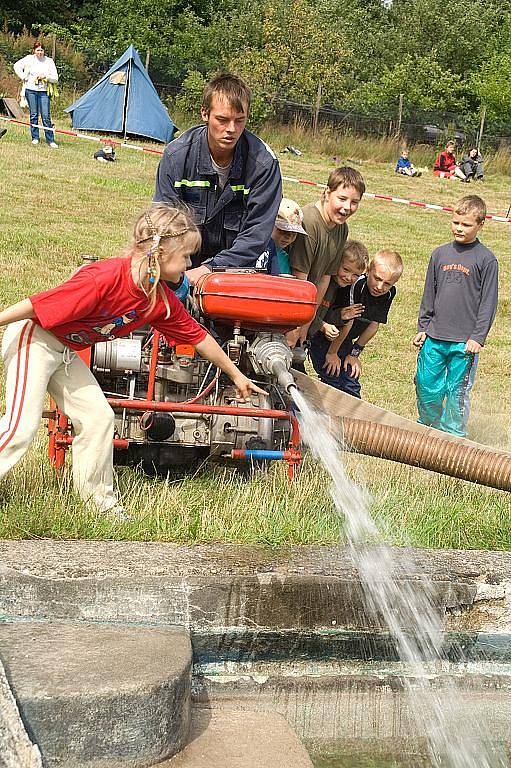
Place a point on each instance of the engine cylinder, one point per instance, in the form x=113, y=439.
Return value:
x=118, y=356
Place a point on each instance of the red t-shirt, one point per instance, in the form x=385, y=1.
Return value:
x=101, y=302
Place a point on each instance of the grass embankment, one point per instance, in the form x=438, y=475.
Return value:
x=61, y=204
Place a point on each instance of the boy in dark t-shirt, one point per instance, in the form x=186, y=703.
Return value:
x=358, y=311
x=456, y=313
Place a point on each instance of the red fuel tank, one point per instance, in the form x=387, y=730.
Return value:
x=256, y=301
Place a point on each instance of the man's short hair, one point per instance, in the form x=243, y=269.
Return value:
x=346, y=177
x=472, y=204
x=356, y=253
x=229, y=87
x=389, y=259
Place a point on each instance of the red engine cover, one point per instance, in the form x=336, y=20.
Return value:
x=256, y=301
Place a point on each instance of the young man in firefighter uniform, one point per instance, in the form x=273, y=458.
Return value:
x=227, y=176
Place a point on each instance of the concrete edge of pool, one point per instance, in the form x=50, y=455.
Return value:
x=273, y=631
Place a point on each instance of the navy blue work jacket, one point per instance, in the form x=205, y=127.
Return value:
x=235, y=223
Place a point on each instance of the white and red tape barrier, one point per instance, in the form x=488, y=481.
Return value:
x=391, y=199
x=292, y=180
x=83, y=136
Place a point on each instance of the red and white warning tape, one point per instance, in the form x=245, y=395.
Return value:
x=391, y=199
x=85, y=136
x=370, y=195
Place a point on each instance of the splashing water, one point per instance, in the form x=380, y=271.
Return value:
x=456, y=738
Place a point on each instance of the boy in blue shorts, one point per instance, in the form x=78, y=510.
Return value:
x=456, y=313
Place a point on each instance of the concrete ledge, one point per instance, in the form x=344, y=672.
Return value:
x=346, y=703
x=16, y=749
x=268, y=627
x=95, y=696
x=204, y=587
x=240, y=739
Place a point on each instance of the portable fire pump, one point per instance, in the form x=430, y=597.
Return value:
x=173, y=409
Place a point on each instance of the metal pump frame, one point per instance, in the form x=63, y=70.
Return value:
x=59, y=426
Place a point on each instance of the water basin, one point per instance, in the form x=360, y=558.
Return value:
x=332, y=758
x=329, y=760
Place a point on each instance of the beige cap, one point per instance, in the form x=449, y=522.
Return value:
x=290, y=217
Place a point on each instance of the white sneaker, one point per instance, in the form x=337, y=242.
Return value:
x=53, y=145
x=35, y=141
x=118, y=514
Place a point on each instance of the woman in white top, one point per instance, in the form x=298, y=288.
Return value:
x=37, y=70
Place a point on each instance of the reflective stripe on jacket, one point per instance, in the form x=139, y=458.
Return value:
x=236, y=223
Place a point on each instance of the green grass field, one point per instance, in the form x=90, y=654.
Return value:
x=58, y=205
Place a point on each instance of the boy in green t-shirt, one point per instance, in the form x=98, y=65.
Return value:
x=317, y=257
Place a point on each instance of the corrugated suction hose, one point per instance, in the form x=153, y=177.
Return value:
x=477, y=464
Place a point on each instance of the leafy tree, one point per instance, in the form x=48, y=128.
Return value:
x=19, y=14
x=111, y=27
x=285, y=48
x=463, y=33
x=421, y=80
x=364, y=53
x=492, y=85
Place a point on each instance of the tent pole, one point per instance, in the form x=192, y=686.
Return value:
x=128, y=82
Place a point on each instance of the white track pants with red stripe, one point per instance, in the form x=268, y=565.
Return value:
x=35, y=363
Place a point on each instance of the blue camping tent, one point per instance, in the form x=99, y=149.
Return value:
x=124, y=101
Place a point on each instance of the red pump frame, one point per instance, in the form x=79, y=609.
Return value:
x=59, y=427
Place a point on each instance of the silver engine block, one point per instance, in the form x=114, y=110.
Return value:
x=160, y=441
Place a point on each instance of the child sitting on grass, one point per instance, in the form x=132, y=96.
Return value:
x=404, y=165
x=102, y=301
x=107, y=152
x=445, y=164
x=456, y=313
x=358, y=310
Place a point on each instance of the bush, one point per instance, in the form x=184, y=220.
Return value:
x=261, y=110
x=190, y=98
x=9, y=83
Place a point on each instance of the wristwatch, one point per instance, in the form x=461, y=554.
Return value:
x=356, y=350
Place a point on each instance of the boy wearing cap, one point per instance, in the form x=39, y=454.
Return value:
x=288, y=225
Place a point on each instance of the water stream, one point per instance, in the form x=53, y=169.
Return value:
x=406, y=608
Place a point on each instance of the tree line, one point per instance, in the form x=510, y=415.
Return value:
x=365, y=53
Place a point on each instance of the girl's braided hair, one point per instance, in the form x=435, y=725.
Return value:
x=160, y=222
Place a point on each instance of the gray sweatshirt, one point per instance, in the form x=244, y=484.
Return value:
x=460, y=293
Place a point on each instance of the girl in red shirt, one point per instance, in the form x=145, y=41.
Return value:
x=101, y=301
x=445, y=165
